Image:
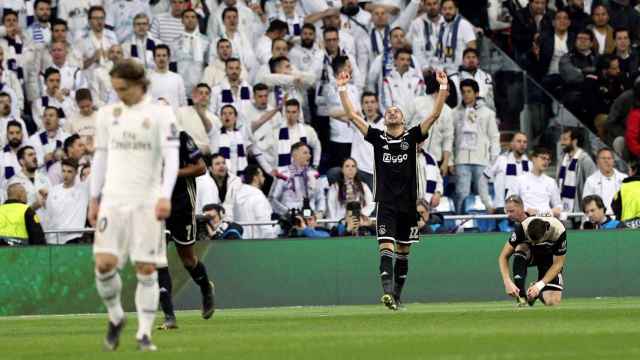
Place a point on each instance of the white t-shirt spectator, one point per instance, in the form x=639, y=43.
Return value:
x=537, y=192
x=66, y=209
x=604, y=186
x=252, y=206
x=170, y=87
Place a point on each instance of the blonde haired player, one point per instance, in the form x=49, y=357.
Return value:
x=395, y=187
x=133, y=173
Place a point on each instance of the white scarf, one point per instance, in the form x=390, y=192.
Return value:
x=513, y=170
x=285, y=142
x=227, y=139
x=567, y=179
x=193, y=45
x=428, y=173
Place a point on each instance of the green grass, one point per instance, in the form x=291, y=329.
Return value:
x=578, y=329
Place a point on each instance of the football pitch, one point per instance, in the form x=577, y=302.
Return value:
x=578, y=329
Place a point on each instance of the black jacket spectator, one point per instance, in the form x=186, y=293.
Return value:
x=602, y=90
x=625, y=16
x=579, y=19
x=616, y=121
x=524, y=28
x=539, y=65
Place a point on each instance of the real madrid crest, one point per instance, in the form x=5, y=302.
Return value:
x=117, y=112
x=146, y=123
x=404, y=146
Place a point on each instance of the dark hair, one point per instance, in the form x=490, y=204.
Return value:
x=367, y=94
x=14, y=123
x=574, y=132
x=260, y=87
x=212, y=157
x=402, y=50
x=309, y=26
x=222, y=40
x=593, y=198
x=185, y=11
x=22, y=150
x=55, y=22
x=470, y=83
x=397, y=28
x=603, y=150
x=536, y=229
x=8, y=12
x=68, y=142
x=83, y=94
x=204, y=85
x=604, y=61
x=35, y=4
x=278, y=25
x=298, y=145
x=329, y=29
x=93, y=9
x=358, y=187
x=587, y=32
x=540, y=150
x=338, y=63
x=619, y=30
x=455, y=3
x=70, y=162
x=516, y=134
x=235, y=111
x=470, y=50
x=5, y=94
x=228, y=10
x=230, y=60
x=275, y=62
x=430, y=82
x=292, y=102
x=562, y=10
x=250, y=172
x=275, y=41
x=160, y=47
x=50, y=71
x=604, y=6
x=130, y=71
x=51, y=108
x=215, y=207
x=633, y=165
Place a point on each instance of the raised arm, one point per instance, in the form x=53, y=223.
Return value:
x=356, y=119
x=426, y=124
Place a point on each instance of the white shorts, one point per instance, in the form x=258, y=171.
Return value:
x=131, y=231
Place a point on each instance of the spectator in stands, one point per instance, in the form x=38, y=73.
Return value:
x=252, y=205
x=403, y=83
x=362, y=150
x=240, y=41
x=600, y=91
x=141, y=44
x=298, y=186
x=603, y=32
x=606, y=181
x=429, y=223
x=632, y=132
x=250, y=21
x=120, y=15
x=458, y=35
x=291, y=12
x=39, y=32
x=232, y=143
x=277, y=30
x=617, y=118
x=6, y=117
x=292, y=131
x=167, y=27
x=59, y=33
x=627, y=56
x=15, y=136
x=470, y=69
x=218, y=226
x=477, y=141
x=547, y=50
x=382, y=64
x=306, y=225
x=232, y=90
x=101, y=85
x=505, y=171
x=626, y=202
x=75, y=14
x=349, y=189
x=97, y=41
x=430, y=183
x=71, y=76
x=539, y=192
x=574, y=67
x=48, y=142
x=54, y=96
x=593, y=207
x=218, y=186
x=424, y=32
x=346, y=41
x=624, y=16
x=574, y=168
x=514, y=208
x=191, y=51
x=21, y=222
x=287, y=81
x=439, y=144
x=34, y=180
x=67, y=205
x=198, y=121
x=528, y=23
x=83, y=122
x=579, y=17
x=73, y=149
x=263, y=122
x=11, y=85
x=19, y=53
x=166, y=84
x=307, y=56
x=214, y=73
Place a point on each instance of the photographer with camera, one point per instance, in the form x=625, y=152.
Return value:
x=355, y=222
x=211, y=225
x=305, y=225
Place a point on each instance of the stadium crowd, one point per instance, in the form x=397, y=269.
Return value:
x=253, y=84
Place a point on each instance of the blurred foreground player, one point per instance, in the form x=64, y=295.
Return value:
x=396, y=186
x=131, y=197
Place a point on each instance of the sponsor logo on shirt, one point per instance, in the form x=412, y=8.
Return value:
x=394, y=159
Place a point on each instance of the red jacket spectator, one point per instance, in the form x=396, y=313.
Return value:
x=632, y=135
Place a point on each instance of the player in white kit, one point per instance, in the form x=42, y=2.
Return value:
x=133, y=173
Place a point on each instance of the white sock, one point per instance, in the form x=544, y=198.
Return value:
x=147, y=295
x=109, y=287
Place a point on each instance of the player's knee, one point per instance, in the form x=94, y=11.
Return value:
x=403, y=249
x=524, y=248
x=145, y=268
x=189, y=261
x=105, y=263
x=552, y=300
x=385, y=245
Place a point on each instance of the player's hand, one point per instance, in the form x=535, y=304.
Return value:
x=511, y=289
x=94, y=207
x=441, y=76
x=435, y=200
x=444, y=169
x=343, y=78
x=533, y=292
x=163, y=209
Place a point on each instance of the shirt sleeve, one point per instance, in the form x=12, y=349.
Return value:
x=373, y=136
x=415, y=133
x=560, y=246
x=193, y=152
x=34, y=228
x=517, y=236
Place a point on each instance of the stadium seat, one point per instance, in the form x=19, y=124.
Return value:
x=473, y=205
x=447, y=207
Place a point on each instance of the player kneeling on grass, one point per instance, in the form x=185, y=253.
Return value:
x=133, y=173
x=540, y=242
